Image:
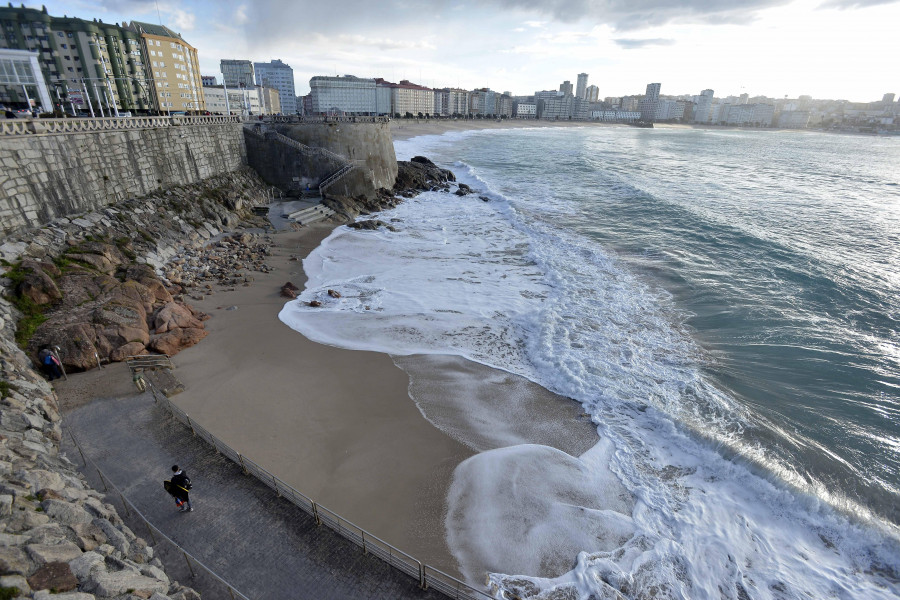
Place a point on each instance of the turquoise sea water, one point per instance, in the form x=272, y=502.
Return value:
x=723, y=303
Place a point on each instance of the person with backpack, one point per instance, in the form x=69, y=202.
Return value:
x=50, y=363
x=179, y=486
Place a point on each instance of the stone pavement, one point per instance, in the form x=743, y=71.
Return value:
x=261, y=544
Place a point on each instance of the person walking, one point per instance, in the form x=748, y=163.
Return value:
x=180, y=489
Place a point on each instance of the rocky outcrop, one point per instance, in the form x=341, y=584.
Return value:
x=413, y=177
x=420, y=174
x=93, y=279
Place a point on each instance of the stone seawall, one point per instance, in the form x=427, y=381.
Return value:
x=52, y=175
x=367, y=145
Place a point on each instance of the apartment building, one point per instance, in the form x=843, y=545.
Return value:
x=408, y=97
x=451, y=101
x=86, y=65
x=173, y=69
x=342, y=95
x=241, y=101
x=279, y=75
x=237, y=73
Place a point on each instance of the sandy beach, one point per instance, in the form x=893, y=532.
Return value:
x=403, y=129
x=373, y=438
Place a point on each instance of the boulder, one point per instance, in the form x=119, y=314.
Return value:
x=37, y=285
x=48, y=553
x=174, y=316
x=176, y=340
x=463, y=190
x=14, y=561
x=115, y=584
x=129, y=349
x=56, y=576
x=371, y=225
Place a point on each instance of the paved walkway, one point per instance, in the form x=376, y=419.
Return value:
x=261, y=544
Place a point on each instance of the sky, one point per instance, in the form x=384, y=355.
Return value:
x=828, y=49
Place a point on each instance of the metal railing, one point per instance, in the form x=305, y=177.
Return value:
x=342, y=119
x=428, y=577
x=149, y=361
x=12, y=127
x=334, y=178
x=156, y=535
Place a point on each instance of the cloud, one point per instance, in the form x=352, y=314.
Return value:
x=181, y=20
x=849, y=4
x=639, y=14
x=355, y=41
x=632, y=44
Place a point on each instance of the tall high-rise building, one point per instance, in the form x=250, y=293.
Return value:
x=649, y=105
x=592, y=93
x=566, y=87
x=173, y=68
x=84, y=63
x=581, y=88
x=280, y=76
x=887, y=98
x=237, y=73
x=703, y=110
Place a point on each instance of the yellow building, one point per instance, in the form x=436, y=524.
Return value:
x=172, y=67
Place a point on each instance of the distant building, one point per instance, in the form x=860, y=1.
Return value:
x=173, y=67
x=278, y=75
x=82, y=63
x=451, y=101
x=241, y=101
x=756, y=115
x=408, y=97
x=794, y=119
x=592, y=93
x=525, y=110
x=581, y=86
x=888, y=99
x=558, y=108
x=237, y=73
x=616, y=116
x=566, y=87
x=344, y=94
x=270, y=100
x=703, y=110
x=208, y=80
x=649, y=105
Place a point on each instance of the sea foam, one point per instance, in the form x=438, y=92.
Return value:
x=655, y=509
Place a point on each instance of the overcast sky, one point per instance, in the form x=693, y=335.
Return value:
x=839, y=49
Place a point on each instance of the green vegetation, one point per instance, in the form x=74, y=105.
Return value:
x=5, y=388
x=8, y=593
x=32, y=314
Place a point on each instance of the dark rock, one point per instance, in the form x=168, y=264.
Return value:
x=56, y=576
x=315, y=303
x=37, y=285
x=371, y=224
x=334, y=293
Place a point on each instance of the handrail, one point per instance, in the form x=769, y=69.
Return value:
x=15, y=127
x=333, y=178
x=427, y=576
x=154, y=531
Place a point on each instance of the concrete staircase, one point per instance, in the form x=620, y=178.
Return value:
x=311, y=214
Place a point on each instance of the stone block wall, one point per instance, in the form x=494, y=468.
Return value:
x=48, y=176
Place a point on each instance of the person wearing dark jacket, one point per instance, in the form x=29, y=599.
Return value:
x=181, y=485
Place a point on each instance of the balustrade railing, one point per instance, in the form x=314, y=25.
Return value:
x=56, y=126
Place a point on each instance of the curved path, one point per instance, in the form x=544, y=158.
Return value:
x=261, y=544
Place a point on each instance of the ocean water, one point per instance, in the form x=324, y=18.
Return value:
x=723, y=304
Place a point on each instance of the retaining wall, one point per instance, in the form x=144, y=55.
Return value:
x=45, y=176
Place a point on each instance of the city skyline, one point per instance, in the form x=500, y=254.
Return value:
x=837, y=49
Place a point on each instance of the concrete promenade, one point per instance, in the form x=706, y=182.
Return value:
x=261, y=544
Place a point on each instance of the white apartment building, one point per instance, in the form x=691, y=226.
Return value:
x=526, y=110
x=451, y=101
x=410, y=97
x=241, y=101
x=616, y=116
x=748, y=114
x=703, y=111
x=342, y=95
x=794, y=119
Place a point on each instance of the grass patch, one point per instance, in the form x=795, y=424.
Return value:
x=8, y=593
x=4, y=389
